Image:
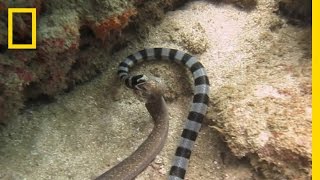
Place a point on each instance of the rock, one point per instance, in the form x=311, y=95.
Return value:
x=68, y=36
x=265, y=112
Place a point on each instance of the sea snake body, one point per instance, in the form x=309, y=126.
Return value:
x=198, y=106
x=146, y=152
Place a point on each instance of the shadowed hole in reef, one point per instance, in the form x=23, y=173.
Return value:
x=41, y=99
x=83, y=69
x=35, y=97
x=86, y=37
x=296, y=13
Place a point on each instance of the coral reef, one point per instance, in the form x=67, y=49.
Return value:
x=66, y=33
x=116, y=23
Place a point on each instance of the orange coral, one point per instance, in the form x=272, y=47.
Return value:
x=102, y=29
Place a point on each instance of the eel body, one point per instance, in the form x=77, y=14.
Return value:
x=130, y=167
x=153, y=144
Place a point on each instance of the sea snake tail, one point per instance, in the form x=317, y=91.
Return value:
x=198, y=106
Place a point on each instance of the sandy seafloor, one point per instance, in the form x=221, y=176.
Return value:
x=86, y=131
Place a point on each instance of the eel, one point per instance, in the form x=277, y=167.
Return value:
x=132, y=167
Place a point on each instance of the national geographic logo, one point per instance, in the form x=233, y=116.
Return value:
x=11, y=13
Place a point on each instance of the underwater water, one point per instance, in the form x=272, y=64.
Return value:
x=259, y=68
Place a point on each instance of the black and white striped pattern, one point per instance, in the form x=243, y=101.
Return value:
x=198, y=106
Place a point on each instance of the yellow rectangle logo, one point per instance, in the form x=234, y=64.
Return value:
x=10, y=28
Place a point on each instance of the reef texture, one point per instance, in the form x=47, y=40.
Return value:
x=67, y=31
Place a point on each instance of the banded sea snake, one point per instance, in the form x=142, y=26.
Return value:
x=157, y=109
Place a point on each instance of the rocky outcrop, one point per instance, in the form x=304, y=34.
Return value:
x=67, y=31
